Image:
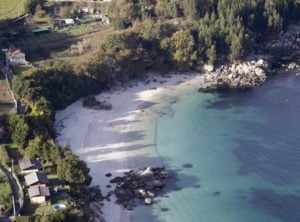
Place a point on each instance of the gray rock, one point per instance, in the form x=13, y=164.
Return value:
x=208, y=68
x=148, y=201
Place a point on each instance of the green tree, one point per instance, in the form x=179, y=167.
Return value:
x=190, y=8
x=73, y=171
x=182, y=48
x=19, y=130
x=30, y=5
x=123, y=53
x=211, y=54
x=167, y=8
x=43, y=148
x=43, y=110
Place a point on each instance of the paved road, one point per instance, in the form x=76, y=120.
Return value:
x=14, y=188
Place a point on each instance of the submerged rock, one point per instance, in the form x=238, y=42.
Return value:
x=141, y=184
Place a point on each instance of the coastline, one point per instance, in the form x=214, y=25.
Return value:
x=122, y=138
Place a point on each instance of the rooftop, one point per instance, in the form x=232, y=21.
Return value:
x=38, y=191
x=30, y=164
x=36, y=177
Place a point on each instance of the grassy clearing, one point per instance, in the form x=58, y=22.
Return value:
x=35, y=41
x=12, y=8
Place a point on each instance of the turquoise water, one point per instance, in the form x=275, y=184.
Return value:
x=237, y=155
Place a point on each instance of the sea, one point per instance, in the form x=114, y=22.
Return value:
x=235, y=154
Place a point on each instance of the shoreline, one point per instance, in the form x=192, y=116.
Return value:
x=122, y=138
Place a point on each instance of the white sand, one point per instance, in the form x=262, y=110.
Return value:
x=119, y=139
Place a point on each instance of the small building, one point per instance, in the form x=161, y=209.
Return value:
x=39, y=194
x=64, y=22
x=87, y=10
x=36, y=178
x=15, y=56
x=30, y=166
x=69, y=21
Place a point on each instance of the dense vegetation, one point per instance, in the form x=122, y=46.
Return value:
x=225, y=29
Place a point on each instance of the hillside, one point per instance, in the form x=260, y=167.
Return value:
x=11, y=8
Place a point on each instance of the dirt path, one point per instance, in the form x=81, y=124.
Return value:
x=14, y=188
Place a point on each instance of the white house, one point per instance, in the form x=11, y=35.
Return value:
x=69, y=21
x=39, y=194
x=87, y=10
x=15, y=56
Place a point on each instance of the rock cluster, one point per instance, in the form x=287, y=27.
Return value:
x=93, y=103
x=245, y=75
x=95, y=212
x=95, y=197
x=282, y=51
x=141, y=185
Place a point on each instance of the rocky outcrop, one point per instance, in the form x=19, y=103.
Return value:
x=245, y=75
x=139, y=186
x=281, y=51
x=95, y=197
x=93, y=103
x=95, y=212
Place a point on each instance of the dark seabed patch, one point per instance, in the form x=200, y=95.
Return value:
x=216, y=193
x=284, y=207
x=164, y=209
x=188, y=165
x=146, y=105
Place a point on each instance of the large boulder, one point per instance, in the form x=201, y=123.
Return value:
x=158, y=184
x=208, y=68
x=148, y=201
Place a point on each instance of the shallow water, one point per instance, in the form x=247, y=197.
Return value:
x=237, y=155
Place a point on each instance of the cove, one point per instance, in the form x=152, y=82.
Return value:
x=237, y=155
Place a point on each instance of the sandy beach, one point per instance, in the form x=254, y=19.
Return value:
x=122, y=138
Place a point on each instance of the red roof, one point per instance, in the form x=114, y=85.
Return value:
x=12, y=51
